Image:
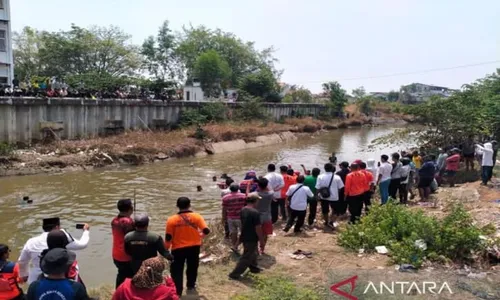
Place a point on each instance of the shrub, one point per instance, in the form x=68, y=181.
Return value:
x=277, y=288
x=215, y=111
x=6, y=149
x=190, y=117
x=454, y=238
x=251, y=110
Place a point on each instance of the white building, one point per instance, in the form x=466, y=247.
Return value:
x=6, y=57
x=193, y=92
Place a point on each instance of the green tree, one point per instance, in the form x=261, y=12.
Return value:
x=160, y=56
x=298, y=95
x=359, y=92
x=213, y=73
x=242, y=57
x=98, y=50
x=26, y=52
x=393, y=96
x=261, y=84
x=336, y=95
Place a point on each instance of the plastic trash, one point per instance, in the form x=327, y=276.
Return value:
x=421, y=244
x=407, y=268
x=381, y=249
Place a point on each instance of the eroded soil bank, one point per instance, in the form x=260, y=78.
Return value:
x=140, y=147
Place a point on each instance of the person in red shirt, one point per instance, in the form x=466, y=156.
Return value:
x=148, y=284
x=370, y=186
x=355, y=189
x=232, y=204
x=120, y=226
x=452, y=166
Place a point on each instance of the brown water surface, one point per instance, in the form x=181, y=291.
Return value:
x=91, y=197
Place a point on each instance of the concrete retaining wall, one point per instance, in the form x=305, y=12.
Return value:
x=20, y=118
x=260, y=141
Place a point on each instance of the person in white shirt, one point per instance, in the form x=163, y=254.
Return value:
x=33, y=248
x=487, y=161
x=331, y=184
x=384, y=178
x=297, y=196
x=276, y=183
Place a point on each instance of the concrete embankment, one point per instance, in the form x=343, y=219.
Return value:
x=240, y=144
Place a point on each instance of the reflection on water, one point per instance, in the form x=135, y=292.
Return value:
x=90, y=197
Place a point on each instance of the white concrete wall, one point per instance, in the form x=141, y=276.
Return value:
x=20, y=117
x=195, y=93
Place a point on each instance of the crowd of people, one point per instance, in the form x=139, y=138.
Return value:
x=55, y=87
x=251, y=211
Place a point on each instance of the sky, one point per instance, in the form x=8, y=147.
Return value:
x=350, y=41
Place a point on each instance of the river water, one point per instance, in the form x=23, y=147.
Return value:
x=90, y=197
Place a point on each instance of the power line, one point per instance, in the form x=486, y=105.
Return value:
x=414, y=72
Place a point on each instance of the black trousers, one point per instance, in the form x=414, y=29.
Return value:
x=355, y=206
x=189, y=256
x=394, y=187
x=342, y=203
x=247, y=260
x=313, y=208
x=300, y=215
x=368, y=200
x=403, y=193
x=124, y=271
x=278, y=207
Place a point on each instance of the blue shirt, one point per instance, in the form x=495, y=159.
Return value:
x=427, y=170
x=56, y=289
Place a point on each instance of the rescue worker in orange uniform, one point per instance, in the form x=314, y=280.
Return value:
x=9, y=277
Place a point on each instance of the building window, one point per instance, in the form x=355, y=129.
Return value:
x=4, y=80
x=187, y=95
x=3, y=40
x=1, y=4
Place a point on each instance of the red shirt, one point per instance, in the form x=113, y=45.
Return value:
x=120, y=226
x=233, y=203
x=127, y=291
x=453, y=162
x=289, y=181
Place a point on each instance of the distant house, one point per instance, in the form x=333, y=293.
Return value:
x=419, y=92
x=380, y=95
x=193, y=91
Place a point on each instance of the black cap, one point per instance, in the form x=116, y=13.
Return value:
x=51, y=222
x=141, y=220
x=56, y=261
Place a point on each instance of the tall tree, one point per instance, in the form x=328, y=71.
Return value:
x=213, y=73
x=393, y=96
x=242, y=57
x=359, y=92
x=27, y=44
x=298, y=95
x=336, y=94
x=261, y=84
x=95, y=51
x=160, y=56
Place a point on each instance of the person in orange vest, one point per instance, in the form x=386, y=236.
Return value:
x=9, y=277
x=355, y=189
